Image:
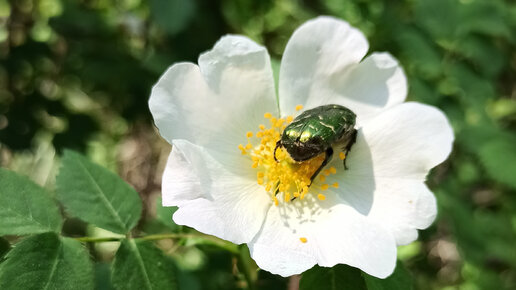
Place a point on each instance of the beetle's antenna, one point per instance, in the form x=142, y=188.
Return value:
x=278, y=144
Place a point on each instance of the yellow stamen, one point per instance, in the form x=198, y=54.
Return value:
x=342, y=156
x=303, y=240
x=283, y=178
x=299, y=107
x=336, y=185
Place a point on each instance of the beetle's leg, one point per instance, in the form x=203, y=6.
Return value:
x=352, y=141
x=329, y=154
x=278, y=144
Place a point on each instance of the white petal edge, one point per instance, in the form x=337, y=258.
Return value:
x=210, y=198
x=371, y=87
x=408, y=140
x=335, y=235
x=214, y=104
x=388, y=166
x=318, y=49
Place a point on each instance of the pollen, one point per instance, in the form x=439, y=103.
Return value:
x=284, y=179
x=299, y=107
x=342, y=156
x=303, y=240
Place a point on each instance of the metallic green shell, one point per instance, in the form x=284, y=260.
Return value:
x=314, y=130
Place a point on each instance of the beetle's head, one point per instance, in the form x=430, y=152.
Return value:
x=301, y=147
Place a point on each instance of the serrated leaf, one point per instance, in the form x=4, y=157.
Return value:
x=96, y=195
x=46, y=261
x=140, y=265
x=334, y=278
x=25, y=207
x=347, y=277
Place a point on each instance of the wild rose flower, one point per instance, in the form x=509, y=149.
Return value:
x=223, y=119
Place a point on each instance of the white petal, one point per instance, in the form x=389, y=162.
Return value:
x=210, y=198
x=403, y=206
x=215, y=104
x=408, y=140
x=318, y=50
x=320, y=66
x=388, y=166
x=374, y=85
x=335, y=235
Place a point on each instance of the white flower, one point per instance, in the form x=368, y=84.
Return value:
x=220, y=173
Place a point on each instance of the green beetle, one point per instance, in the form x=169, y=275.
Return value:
x=316, y=131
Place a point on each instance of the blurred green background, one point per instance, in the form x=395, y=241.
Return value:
x=77, y=74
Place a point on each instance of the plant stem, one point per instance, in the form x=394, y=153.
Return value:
x=214, y=240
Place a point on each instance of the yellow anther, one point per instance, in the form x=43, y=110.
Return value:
x=303, y=240
x=342, y=156
x=280, y=174
x=241, y=147
x=290, y=119
x=325, y=186
x=299, y=107
x=336, y=185
x=333, y=170
x=321, y=196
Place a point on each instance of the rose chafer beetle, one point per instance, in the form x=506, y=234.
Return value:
x=316, y=131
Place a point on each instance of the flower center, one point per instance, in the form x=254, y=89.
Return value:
x=283, y=178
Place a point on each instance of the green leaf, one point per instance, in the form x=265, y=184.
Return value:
x=499, y=159
x=4, y=247
x=172, y=15
x=25, y=207
x=46, y=261
x=347, y=277
x=400, y=279
x=96, y=195
x=164, y=215
x=337, y=277
x=140, y=265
